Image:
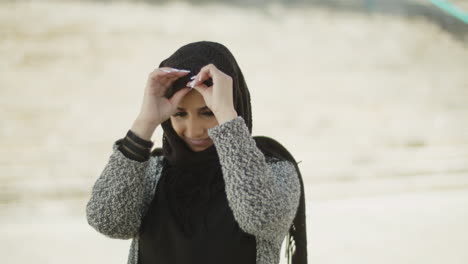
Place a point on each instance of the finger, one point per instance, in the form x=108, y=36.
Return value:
x=171, y=70
x=175, y=99
x=192, y=84
x=208, y=71
x=202, y=89
x=166, y=78
x=160, y=73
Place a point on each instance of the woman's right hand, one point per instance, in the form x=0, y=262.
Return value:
x=156, y=108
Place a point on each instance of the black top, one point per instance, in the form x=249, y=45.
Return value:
x=217, y=239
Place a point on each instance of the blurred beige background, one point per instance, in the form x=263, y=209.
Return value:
x=373, y=104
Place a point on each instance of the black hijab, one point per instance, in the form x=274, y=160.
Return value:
x=181, y=160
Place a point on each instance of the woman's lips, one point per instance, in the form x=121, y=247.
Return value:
x=198, y=142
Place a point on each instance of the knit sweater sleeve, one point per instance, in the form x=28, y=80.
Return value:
x=122, y=194
x=262, y=193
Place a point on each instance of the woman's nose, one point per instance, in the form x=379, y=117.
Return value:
x=194, y=129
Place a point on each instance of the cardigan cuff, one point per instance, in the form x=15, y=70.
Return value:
x=134, y=147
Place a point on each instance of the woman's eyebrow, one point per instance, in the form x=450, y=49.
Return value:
x=199, y=109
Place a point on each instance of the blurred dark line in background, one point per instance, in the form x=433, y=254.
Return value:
x=402, y=8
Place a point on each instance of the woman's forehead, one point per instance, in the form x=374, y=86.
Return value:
x=193, y=100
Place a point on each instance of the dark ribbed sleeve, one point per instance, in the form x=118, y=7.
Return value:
x=135, y=148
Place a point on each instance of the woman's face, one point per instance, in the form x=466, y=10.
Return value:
x=192, y=120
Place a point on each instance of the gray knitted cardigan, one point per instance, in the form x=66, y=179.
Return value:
x=262, y=193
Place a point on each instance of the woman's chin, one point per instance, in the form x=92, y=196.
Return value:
x=199, y=148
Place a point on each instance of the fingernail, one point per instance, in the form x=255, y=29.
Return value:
x=179, y=70
x=164, y=70
x=192, y=84
x=191, y=78
x=199, y=78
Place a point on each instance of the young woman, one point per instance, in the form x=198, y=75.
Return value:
x=212, y=193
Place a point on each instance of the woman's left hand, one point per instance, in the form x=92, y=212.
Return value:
x=219, y=96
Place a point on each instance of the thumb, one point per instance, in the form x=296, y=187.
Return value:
x=201, y=89
x=175, y=99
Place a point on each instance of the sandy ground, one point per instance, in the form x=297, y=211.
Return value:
x=427, y=227
x=374, y=107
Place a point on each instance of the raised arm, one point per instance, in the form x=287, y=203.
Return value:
x=122, y=193
x=263, y=194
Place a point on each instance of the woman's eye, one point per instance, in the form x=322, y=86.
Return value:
x=208, y=113
x=180, y=114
